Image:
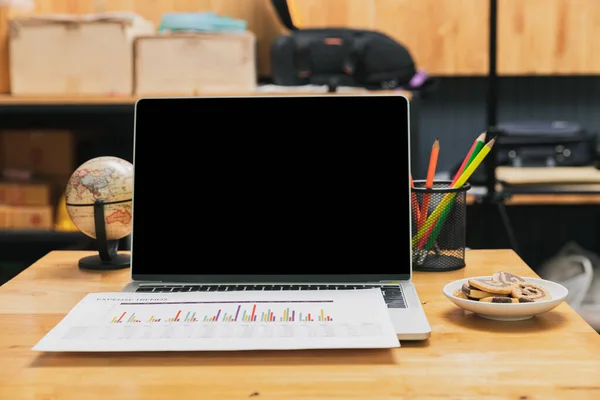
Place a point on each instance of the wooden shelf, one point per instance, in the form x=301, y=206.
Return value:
x=8, y=100
x=35, y=235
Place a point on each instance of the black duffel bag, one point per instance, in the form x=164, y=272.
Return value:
x=544, y=144
x=341, y=57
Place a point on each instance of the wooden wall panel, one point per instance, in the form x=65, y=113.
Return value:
x=4, y=75
x=548, y=37
x=338, y=13
x=446, y=37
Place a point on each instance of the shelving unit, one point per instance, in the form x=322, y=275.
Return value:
x=110, y=120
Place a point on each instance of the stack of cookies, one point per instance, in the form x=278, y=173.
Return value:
x=503, y=287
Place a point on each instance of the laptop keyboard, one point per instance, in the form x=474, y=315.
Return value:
x=392, y=294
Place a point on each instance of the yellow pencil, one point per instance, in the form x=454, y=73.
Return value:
x=464, y=177
x=432, y=219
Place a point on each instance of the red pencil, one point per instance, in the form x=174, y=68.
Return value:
x=480, y=138
x=415, y=202
x=433, y=158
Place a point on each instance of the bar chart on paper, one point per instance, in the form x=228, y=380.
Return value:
x=224, y=321
x=232, y=312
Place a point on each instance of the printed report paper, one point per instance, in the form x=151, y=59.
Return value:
x=210, y=321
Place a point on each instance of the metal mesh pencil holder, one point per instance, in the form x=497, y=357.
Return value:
x=439, y=219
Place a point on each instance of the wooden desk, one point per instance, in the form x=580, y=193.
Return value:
x=580, y=185
x=553, y=356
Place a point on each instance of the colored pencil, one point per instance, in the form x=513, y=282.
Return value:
x=415, y=202
x=432, y=218
x=429, y=238
x=475, y=148
x=433, y=158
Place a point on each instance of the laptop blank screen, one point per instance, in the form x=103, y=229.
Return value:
x=261, y=186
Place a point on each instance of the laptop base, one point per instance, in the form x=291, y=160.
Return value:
x=404, y=305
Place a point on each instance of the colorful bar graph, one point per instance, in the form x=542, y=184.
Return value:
x=121, y=317
x=233, y=313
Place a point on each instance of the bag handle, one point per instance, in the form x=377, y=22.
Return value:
x=282, y=8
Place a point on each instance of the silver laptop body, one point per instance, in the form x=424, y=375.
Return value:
x=241, y=160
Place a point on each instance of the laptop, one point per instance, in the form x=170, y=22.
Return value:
x=303, y=192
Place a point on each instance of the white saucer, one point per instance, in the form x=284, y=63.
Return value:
x=508, y=311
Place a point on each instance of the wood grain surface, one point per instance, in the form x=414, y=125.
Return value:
x=92, y=100
x=552, y=356
x=548, y=37
x=4, y=75
x=527, y=176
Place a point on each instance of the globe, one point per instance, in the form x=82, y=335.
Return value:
x=109, y=180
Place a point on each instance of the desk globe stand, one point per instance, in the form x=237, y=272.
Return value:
x=108, y=258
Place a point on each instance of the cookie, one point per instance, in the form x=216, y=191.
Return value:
x=499, y=299
x=507, y=277
x=476, y=294
x=491, y=286
x=460, y=294
x=527, y=292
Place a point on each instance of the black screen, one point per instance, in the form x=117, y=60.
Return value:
x=288, y=185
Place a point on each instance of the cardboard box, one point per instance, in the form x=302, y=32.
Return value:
x=25, y=193
x=12, y=217
x=46, y=153
x=31, y=218
x=5, y=213
x=193, y=64
x=74, y=55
